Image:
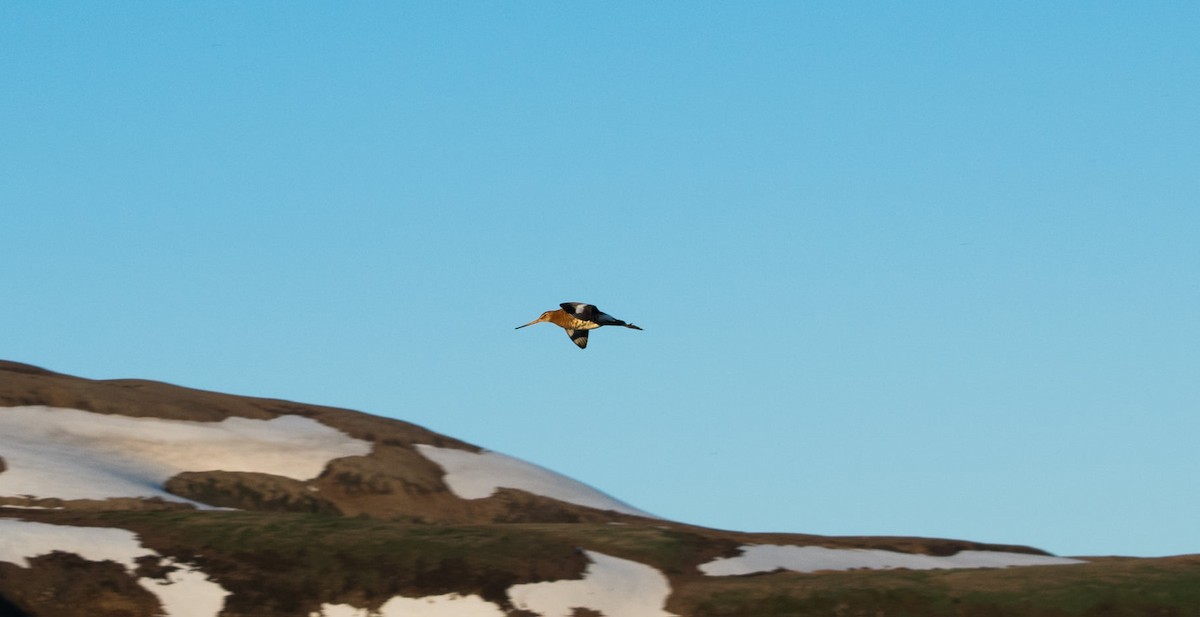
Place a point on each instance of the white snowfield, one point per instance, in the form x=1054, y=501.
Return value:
x=449, y=605
x=74, y=454
x=769, y=557
x=63, y=453
x=187, y=592
x=610, y=586
x=473, y=475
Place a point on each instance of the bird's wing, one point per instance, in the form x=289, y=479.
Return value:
x=605, y=319
x=586, y=312
x=579, y=337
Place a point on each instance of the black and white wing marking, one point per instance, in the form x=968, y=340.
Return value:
x=586, y=312
x=579, y=337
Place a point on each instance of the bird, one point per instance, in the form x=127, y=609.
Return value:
x=577, y=318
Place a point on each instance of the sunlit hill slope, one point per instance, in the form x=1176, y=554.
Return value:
x=137, y=498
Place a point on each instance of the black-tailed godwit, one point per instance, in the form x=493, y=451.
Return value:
x=577, y=318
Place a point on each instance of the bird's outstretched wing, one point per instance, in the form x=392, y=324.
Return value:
x=586, y=312
x=579, y=337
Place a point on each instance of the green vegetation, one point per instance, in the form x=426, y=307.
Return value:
x=1109, y=588
x=285, y=564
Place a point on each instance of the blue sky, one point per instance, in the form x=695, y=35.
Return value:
x=923, y=269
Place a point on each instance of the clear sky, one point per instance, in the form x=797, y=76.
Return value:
x=904, y=268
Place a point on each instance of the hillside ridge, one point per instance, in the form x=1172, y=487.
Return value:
x=148, y=498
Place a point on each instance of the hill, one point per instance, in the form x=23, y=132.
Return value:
x=138, y=498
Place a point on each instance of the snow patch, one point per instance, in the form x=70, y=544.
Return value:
x=770, y=557
x=74, y=454
x=610, y=585
x=472, y=475
x=20, y=540
x=340, y=610
x=187, y=592
x=449, y=605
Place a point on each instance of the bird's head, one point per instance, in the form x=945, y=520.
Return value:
x=545, y=317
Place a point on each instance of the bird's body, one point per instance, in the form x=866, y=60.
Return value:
x=577, y=318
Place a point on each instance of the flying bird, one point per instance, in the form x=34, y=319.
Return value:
x=577, y=318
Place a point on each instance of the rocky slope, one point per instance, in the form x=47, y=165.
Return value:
x=137, y=498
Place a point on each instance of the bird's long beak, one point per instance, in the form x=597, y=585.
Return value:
x=539, y=319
